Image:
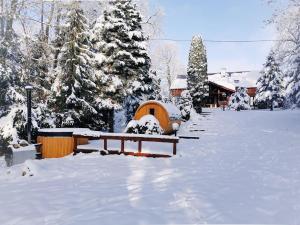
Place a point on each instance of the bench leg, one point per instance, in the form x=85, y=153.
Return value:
x=174, y=148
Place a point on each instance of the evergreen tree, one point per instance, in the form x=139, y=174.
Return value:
x=270, y=85
x=240, y=100
x=293, y=85
x=75, y=89
x=185, y=105
x=40, y=58
x=125, y=60
x=197, y=73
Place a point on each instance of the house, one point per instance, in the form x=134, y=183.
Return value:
x=230, y=81
x=178, y=86
x=221, y=86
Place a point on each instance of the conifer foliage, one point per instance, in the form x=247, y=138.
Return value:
x=74, y=87
x=270, y=85
x=126, y=62
x=240, y=100
x=185, y=105
x=197, y=73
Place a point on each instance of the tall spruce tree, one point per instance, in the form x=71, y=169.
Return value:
x=74, y=88
x=197, y=73
x=125, y=60
x=270, y=85
x=293, y=84
x=40, y=58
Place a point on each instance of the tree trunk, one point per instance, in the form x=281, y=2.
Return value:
x=49, y=22
x=10, y=19
x=57, y=33
x=2, y=18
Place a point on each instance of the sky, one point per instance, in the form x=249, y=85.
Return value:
x=221, y=20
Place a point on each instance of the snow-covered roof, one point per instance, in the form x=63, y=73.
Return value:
x=245, y=79
x=63, y=130
x=172, y=110
x=179, y=83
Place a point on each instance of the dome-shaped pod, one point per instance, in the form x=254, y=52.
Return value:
x=165, y=113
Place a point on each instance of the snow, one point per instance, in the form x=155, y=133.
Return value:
x=67, y=130
x=243, y=169
x=179, y=83
x=245, y=79
x=20, y=155
x=172, y=110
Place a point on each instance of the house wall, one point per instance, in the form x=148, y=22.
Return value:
x=176, y=92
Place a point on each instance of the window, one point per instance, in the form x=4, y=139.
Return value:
x=152, y=111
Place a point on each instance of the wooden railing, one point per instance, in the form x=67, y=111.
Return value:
x=122, y=137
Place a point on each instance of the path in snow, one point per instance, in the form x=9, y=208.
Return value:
x=243, y=169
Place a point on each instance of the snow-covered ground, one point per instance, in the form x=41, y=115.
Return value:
x=244, y=169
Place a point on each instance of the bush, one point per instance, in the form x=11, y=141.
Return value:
x=148, y=124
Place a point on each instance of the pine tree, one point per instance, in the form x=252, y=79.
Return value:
x=270, y=85
x=185, y=105
x=125, y=63
x=75, y=89
x=197, y=73
x=293, y=86
x=240, y=100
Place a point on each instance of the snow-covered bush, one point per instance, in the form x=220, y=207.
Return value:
x=240, y=99
x=148, y=124
x=185, y=105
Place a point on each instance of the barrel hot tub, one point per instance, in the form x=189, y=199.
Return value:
x=59, y=142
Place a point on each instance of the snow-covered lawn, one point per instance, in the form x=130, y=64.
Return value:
x=245, y=168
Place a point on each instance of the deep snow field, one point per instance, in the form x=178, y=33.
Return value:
x=245, y=168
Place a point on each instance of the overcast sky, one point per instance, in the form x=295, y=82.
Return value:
x=221, y=20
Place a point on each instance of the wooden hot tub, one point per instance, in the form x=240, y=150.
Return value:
x=58, y=142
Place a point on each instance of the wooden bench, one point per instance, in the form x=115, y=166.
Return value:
x=122, y=137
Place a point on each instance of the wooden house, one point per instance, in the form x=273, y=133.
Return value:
x=165, y=113
x=218, y=95
x=178, y=86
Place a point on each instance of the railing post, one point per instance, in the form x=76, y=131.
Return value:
x=122, y=145
x=140, y=147
x=174, y=148
x=105, y=143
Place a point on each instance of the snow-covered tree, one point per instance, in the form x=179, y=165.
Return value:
x=197, y=73
x=74, y=88
x=185, y=105
x=293, y=82
x=287, y=22
x=39, y=66
x=166, y=62
x=270, y=89
x=126, y=62
x=240, y=100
